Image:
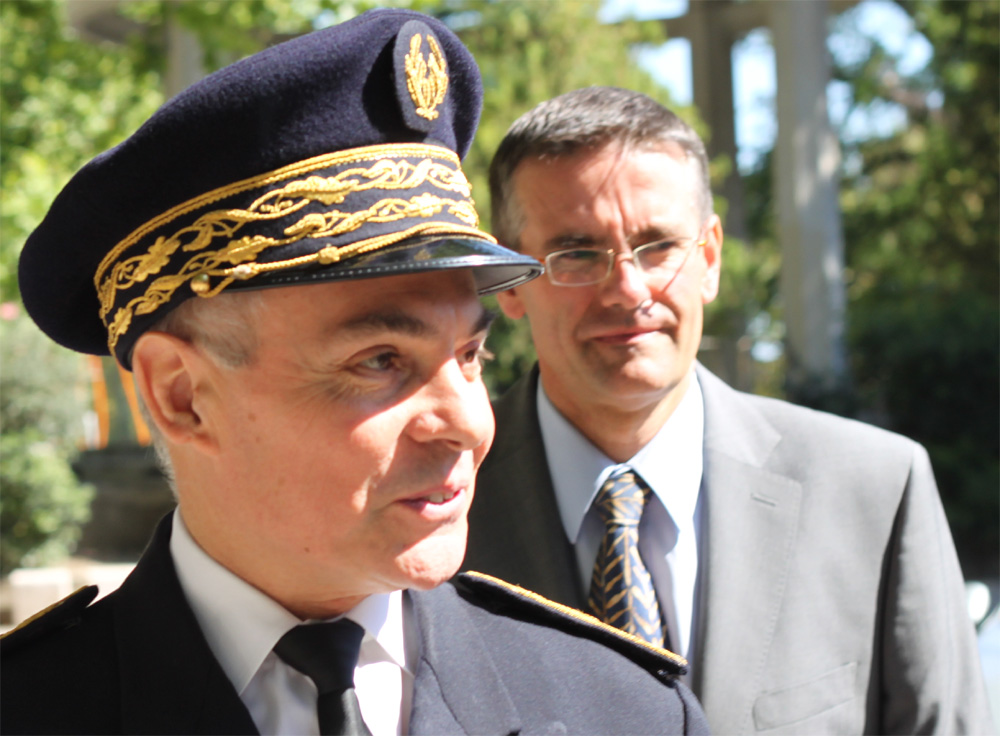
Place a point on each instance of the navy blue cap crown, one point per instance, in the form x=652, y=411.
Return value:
x=335, y=155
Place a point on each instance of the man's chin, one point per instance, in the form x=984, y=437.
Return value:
x=639, y=380
x=432, y=562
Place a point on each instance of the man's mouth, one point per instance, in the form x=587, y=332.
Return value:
x=438, y=498
x=622, y=335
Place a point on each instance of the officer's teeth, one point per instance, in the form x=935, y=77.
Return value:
x=441, y=497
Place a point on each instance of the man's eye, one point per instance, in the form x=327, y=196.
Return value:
x=381, y=362
x=478, y=354
x=660, y=246
x=581, y=256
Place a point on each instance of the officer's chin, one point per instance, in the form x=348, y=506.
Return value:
x=435, y=559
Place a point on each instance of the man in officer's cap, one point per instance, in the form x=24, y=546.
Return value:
x=287, y=257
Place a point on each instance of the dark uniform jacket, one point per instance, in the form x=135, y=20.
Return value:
x=493, y=660
x=830, y=596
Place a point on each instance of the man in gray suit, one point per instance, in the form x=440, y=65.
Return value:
x=801, y=562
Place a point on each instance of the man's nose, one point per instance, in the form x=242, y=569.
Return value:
x=456, y=410
x=626, y=285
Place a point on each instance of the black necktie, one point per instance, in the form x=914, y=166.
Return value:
x=328, y=654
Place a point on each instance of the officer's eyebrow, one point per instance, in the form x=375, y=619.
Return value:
x=398, y=321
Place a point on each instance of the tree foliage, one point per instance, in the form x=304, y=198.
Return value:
x=921, y=214
x=921, y=217
x=42, y=503
x=62, y=101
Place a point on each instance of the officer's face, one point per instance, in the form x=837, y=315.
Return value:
x=627, y=342
x=352, y=441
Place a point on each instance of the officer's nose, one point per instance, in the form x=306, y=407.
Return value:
x=455, y=409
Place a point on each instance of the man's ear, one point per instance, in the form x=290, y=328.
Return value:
x=168, y=372
x=712, y=253
x=510, y=302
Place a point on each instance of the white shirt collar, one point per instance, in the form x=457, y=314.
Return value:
x=670, y=463
x=242, y=624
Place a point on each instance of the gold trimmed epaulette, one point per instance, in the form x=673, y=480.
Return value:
x=659, y=661
x=58, y=616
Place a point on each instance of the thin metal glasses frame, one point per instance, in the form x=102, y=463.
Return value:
x=612, y=256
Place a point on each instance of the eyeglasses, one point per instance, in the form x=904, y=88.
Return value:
x=585, y=266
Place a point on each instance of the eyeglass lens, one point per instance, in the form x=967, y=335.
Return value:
x=582, y=266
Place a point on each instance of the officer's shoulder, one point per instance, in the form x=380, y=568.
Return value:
x=58, y=617
x=510, y=600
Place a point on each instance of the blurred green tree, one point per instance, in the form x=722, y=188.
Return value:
x=62, y=101
x=921, y=216
x=42, y=503
x=921, y=220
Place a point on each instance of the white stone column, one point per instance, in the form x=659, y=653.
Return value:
x=184, y=59
x=710, y=29
x=807, y=160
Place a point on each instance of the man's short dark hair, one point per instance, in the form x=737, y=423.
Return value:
x=591, y=117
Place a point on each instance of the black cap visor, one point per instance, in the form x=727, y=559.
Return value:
x=494, y=267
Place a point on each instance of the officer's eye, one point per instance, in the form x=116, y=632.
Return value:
x=384, y=361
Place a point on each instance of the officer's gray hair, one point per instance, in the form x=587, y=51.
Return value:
x=225, y=327
x=591, y=117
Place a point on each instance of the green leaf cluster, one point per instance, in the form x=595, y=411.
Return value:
x=62, y=101
x=921, y=217
x=43, y=505
x=921, y=212
x=42, y=390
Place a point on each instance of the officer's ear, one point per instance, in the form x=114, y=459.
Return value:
x=169, y=374
x=712, y=253
x=510, y=303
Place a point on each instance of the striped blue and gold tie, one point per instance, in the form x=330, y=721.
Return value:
x=621, y=590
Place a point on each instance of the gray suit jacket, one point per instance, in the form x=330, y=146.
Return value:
x=830, y=596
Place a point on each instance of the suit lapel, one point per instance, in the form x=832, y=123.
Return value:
x=527, y=527
x=751, y=517
x=170, y=681
x=455, y=681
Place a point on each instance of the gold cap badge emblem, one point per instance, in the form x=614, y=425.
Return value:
x=422, y=76
x=426, y=79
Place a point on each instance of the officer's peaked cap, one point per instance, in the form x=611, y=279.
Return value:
x=331, y=156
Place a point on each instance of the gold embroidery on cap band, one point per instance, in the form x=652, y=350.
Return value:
x=426, y=79
x=209, y=266
x=327, y=160
x=235, y=260
x=279, y=203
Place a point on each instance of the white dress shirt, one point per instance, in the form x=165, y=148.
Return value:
x=242, y=625
x=671, y=464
